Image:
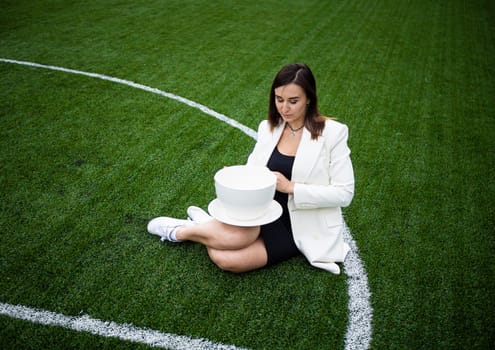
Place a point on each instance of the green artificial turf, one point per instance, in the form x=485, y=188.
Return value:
x=85, y=163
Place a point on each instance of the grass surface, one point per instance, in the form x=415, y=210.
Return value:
x=84, y=164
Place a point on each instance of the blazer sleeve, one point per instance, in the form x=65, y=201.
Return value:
x=335, y=168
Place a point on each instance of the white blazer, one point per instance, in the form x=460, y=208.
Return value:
x=324, y=182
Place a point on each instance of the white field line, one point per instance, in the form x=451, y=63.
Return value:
x=359, y=329
x=124, y=331
x=193, y=104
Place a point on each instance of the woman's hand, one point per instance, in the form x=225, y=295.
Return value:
x=283, y=184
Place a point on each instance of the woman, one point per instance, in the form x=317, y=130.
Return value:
x=309, y=155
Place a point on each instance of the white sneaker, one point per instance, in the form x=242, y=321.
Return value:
x=165, y=227
x=198, y=215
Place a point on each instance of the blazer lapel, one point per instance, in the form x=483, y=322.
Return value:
x=306, y=156
x=273, y=141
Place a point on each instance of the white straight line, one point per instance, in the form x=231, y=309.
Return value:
x=190, y=103
x=107, y=329
x=359, y=329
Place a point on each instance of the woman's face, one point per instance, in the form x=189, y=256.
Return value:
x=291, y=102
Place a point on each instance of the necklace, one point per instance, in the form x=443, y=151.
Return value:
x=293, y=131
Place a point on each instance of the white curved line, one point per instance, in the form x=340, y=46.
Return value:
x=359, y=329
x=107, y=329
x=190, y=103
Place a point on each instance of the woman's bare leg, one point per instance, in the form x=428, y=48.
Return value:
x=246, y=259
x=217, y=235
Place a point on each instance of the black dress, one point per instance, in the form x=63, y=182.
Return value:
x=277, y=235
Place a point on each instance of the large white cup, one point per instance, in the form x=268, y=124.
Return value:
x=245, y=191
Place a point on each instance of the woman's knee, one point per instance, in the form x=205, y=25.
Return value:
x=243, y=260
x=224, y=259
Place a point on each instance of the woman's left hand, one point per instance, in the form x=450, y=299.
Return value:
x=283, y=184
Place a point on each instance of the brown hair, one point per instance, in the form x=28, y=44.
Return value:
x=299, y=74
